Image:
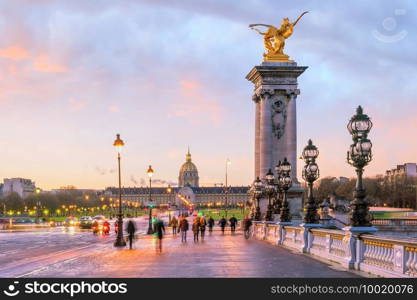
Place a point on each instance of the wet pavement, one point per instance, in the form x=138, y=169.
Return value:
x=57, y=253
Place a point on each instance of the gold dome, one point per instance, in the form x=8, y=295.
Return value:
x=188, y=167
x=188, y=172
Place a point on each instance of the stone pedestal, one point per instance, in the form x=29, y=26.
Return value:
x=307, y=238
x=295, y=202
x=275, y=95
x=354, y=247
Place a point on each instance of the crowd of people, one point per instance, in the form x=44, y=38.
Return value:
x=181, y=226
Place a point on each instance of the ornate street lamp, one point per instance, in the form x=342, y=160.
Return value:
x=310, y=174
x=150, y=204
x=358, y=156
x=285, y=182
x=278, y=193
x=120, y=242
x=258, y=191
x=270, y=191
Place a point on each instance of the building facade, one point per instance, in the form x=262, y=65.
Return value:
x=187, y=193
x=407, y=169
x=181, y=196
x=23, y=187
x=400, y=185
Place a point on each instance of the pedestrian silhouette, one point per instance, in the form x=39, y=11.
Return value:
x=222, y=224
x=174, y=224
x=210, y=223
x=159, y=231
x=131, y=229
x=196, y=228
x=233, y=222
x=183, y=227
x=203, y=225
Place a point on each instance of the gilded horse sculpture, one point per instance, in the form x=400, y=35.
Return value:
x=274, y=39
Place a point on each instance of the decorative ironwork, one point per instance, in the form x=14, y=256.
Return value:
x=310, y=174
x=358, y=156
x=285, y=183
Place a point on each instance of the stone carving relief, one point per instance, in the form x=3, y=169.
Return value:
x=279, y=116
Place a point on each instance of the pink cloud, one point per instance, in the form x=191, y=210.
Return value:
x=114, y=108
x=14, y=53
x=75, y=104
x=195, y=105
x=173, y=154
x=43, y=63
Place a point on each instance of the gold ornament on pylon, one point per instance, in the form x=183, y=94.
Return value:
x=274, y=39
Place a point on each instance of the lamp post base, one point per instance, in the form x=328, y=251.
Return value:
x=150, y=229
x=257, y=215
x=120, y=241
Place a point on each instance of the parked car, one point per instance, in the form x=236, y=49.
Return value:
x=71, y=221
x=86, y=222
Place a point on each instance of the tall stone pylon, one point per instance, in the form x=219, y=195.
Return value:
x=275, y=97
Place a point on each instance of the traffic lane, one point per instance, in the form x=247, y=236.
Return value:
x=21, y=245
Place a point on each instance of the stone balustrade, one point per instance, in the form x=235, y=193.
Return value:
x=395, y=222
x=378, y=255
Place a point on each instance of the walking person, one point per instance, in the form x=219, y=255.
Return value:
x=203, y=225
x=131, y=229
x=183, y=227
x=196, y=229
x=247, y=223
x=159, y=231
x=233, y=222
x=174, y=224
x=222, y=224
x=210, y=223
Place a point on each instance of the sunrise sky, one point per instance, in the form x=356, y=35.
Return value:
x=168, y=74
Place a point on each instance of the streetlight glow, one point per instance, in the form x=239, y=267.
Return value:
x=118, y=143
x=150, y=171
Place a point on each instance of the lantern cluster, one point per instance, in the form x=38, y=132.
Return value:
x=360, y=152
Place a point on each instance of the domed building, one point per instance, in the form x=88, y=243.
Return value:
x=188, y=173
x=187, y=192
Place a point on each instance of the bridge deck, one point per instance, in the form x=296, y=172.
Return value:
x=218, y=256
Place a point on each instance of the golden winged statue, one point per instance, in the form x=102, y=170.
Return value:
x=274, y=39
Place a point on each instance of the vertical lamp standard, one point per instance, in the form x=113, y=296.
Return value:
x=258, y=191
x=120, y=242
x=285, y=183
x=150, y=204
x=270, y=191
x=38, y=204
x=278, y=191
x=169, y=190
x=310, y=174
x=226, y=204
x=358, y=156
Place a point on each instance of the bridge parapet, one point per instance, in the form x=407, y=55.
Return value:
x=378, y=255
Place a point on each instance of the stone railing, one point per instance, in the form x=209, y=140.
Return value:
x=379, y=255
x=292, y=237
x=395, y=222
x=388, y=256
